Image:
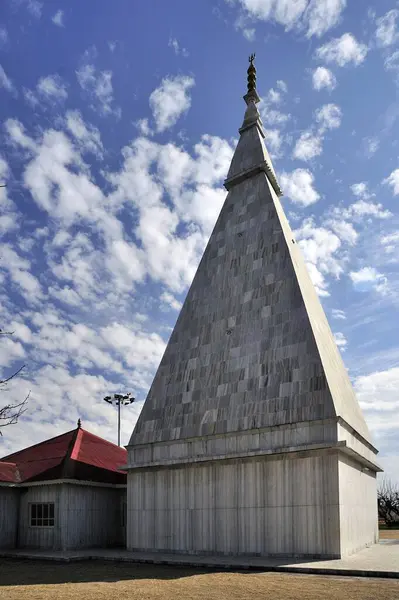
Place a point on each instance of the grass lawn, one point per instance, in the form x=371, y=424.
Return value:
x=95, y=580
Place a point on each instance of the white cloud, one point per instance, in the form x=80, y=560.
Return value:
x=321, y=248
x=323, y=78
x=170, y=301
x=390, y=242
x=307, y=146
x=35, y=8
x=313, y=16
x=340, y=340
x=52, y=87
x=171, y=100
x=342, y=51
x=87, y=137
x=386, y=33
x=369, y=277
x=298, y=186
x=393, y=181
x=391, y=62
x=19, y=273
x=58, y=18
x=173, y=43
x=371, y=146
x=345, y=231
x=361, y=190
x=378, y=393
x=5, y=82
x=336, y=313
x=360, y=209
x=144, y=127
x=322, y=15
x=98, y=84
x=273, y=141
x=329, y=117
x=3, y=36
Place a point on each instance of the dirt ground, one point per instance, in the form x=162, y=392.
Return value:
x=95, y=580
x=389, y=534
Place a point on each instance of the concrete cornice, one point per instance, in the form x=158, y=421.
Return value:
x=71, y=482
x=262, y=167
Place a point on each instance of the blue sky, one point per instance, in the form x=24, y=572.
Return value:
x=118, y=122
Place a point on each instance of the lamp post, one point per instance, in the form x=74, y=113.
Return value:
x=120, y=400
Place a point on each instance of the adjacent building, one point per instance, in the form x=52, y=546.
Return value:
x=65, y=493
x=251, y=440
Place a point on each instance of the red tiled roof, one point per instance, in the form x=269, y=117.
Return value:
x=41, y=457
x=9, y=472
x=93, y=450
x=75, y=454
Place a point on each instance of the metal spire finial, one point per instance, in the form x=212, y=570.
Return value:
x=79, y=423
x=251, y=75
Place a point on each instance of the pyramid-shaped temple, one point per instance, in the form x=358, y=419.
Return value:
x=251, y=440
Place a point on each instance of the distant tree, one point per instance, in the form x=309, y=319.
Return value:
x=10, y=413
x=388, y=501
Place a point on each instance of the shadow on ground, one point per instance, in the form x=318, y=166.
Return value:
x=37, y=572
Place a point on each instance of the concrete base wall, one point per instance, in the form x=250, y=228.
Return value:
x=92, y=517
x=9, y=500
x=272, y=505
x=358, y=513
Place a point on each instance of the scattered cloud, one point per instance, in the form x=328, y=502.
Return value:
x=371, y=146
x=178, y=50
x=342, y=51
x=98, y=85
x=377, y=393
x=3, y=36
x=314, y=17
x=336, y=313
x=361, y=190
x=5, y=82
x=390, y=242
x=368, y=277
x=340, y=340
x=87, y=136
x=143, y=127
x=170, y=301
x=393, y=181
x=34, y=7
x=328, y=117
x=386, y=32
x=273, y=142
x=171, y=100
x=321, y=248
x=50, y=89
x=308, y=146
x=323, y=78
x=322, y=15
x=298, y=186
x=58, y=18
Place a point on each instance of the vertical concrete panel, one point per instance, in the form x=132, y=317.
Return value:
x=357, y=507
x=269, y=505
x=9, y=507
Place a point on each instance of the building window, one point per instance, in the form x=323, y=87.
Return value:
x=42, y=515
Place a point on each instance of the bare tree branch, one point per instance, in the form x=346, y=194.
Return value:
x=10, y=413
x=388, y=502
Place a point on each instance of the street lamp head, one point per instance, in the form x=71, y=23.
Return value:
x=108, y=399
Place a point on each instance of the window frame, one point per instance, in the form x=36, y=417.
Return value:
x=41, y=515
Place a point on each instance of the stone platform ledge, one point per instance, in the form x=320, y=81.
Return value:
x=381, y=560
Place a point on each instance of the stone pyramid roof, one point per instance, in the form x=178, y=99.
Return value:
x=252, y=348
